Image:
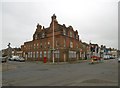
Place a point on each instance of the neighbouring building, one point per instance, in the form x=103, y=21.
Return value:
x=17, y=52
x=12, y=51
x=94, y=50
x=64, y=42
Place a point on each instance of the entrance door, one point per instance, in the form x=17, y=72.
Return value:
x=77, y=56
x=25, y=56
x=64, y=57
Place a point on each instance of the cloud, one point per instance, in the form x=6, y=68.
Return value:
x=95, y=20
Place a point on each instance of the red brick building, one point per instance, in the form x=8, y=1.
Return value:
x=66, y=43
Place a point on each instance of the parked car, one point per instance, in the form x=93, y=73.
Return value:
x=21, y=59
x=111, y=57
x=14, y=58
x=11, y=59
x=106, y=57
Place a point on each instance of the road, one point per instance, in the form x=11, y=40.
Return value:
x=65, y=74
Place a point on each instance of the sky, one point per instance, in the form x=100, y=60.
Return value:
x=95, y=20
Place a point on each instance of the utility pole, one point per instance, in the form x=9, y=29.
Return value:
x=53, y=41
x=9, y=51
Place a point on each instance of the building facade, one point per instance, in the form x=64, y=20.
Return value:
x=58, y=39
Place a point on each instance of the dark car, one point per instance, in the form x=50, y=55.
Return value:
x=112, y=57
x=4, y=59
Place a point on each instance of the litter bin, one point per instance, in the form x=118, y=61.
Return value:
x=45, y=59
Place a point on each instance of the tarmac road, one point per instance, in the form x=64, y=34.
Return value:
x=65, y=74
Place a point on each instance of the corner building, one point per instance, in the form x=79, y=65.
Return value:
x=66, y=43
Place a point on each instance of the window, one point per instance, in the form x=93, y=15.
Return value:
x=34, y=46
x=44, y=53
x=71, y=44
x=64, y=32
x=40, y=54
x=48, y=44
x=71, y=34
x=76, y=36
x=56, y=43
x=33, y=54
x=76, y=45
x=28, y=54
x=48, y=54
x=72, y=54
x=35, y=36
x=57, y=54
x=37, y=45
x=31, y=46
x=43, y=35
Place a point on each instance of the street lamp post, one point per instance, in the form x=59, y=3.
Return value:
x=53, y=40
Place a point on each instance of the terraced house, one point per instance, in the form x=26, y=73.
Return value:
x=63, y=41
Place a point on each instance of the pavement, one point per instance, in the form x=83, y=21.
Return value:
x=60, y=74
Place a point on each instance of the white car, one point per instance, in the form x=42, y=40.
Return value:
x=14, y=58
x=106, y=57
x=21, y=59
x=11, y=59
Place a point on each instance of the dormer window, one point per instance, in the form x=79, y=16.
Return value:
x=43, y=35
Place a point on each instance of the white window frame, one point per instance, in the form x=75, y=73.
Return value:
x=43, y=35
x=40, y=54
x=45, y=53
x=64, y=32
x=36, y=36
x=71, y=34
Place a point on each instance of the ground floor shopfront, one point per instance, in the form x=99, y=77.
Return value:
x=60, y=55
